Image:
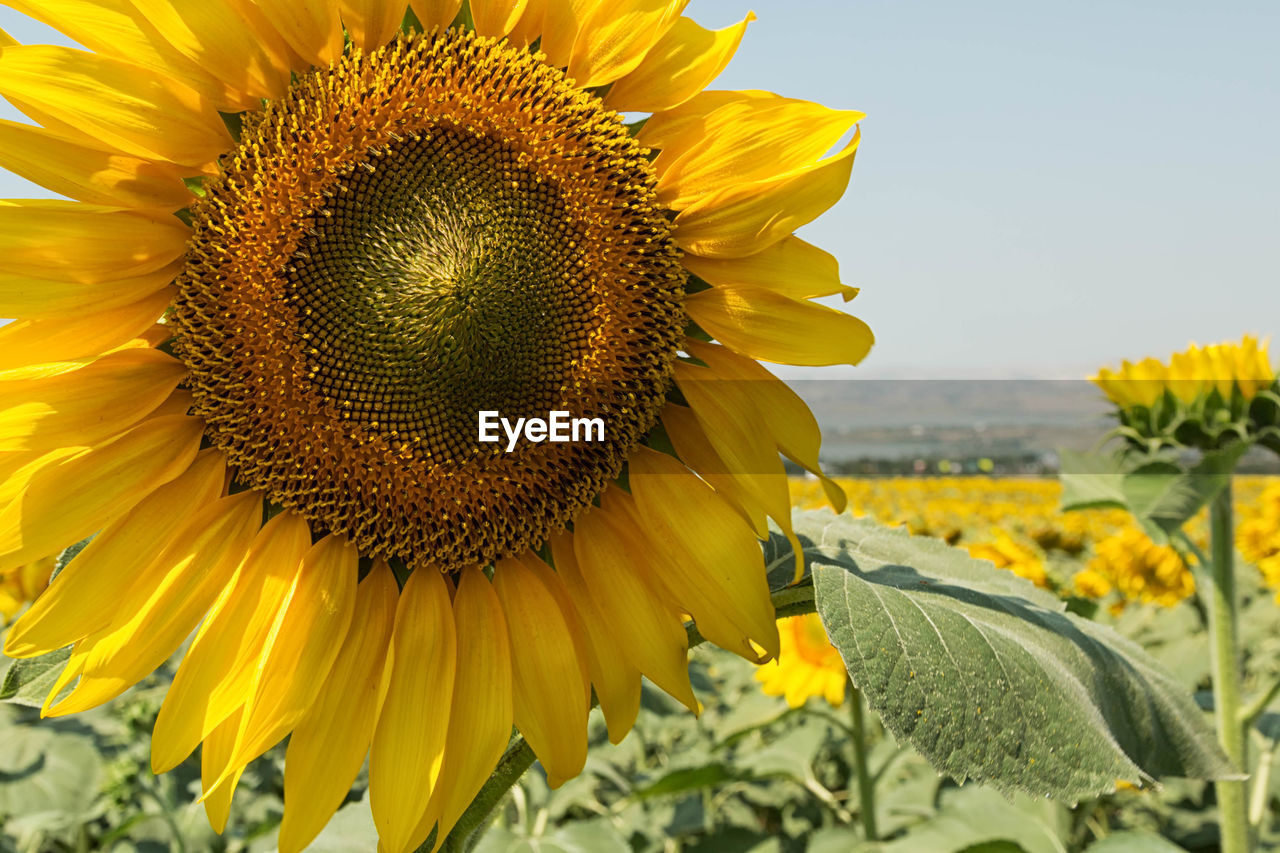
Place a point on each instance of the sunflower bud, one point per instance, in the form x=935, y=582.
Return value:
x=1204, y=397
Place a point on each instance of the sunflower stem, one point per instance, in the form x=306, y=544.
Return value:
x=1232, y=808
x=467, y=831
x=866, y=785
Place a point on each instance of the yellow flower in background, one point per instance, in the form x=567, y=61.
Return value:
x=1204, y=397
x=1005, y=553
x=266, y=405
x=19, y=588
x=1139, y=569
x=1258, y=535
x=1134, y=384
x=1192, y=374
x=1245, y=366
x=1090, y=583
x=808, y=664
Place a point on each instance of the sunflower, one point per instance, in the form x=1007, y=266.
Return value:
x=1018, y=558
x=305, y=246
x=807, y=665
x=1139, y=569
x=1203, y=397
x=1258, y=534
x=1244, y=368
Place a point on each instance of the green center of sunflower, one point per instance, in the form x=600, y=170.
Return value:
x=439, y=228
x=442, y=282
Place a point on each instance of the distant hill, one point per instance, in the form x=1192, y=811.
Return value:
x=879, y=426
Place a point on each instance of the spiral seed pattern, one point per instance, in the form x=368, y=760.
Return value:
x=440, y=227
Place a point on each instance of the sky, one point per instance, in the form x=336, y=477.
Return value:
x=1042, y=188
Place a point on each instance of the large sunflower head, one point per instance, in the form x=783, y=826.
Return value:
x=387, y=350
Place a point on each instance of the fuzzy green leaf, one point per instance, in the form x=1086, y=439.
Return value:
x=988, y=677
x=1163, y=496
x=28, y=682
x=1090, y=481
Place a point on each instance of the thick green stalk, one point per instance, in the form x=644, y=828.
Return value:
x=514, y=762
x=1232, y=807
x=866, y=785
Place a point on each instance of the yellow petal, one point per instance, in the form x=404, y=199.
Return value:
x=54, y=301
x=66, y=502
x=617, y=571
x=301, y=646
x=764, y=325
x=85, y=406
x=676, y=130
x=530, y=25
x=29, y=342
x=214, y=759
x=695, y=449
x=746, y=218
x=138, y=111
x=615, y=677
x=229, y=39
x=89, y=174
x=434, y=14
x=217, y=674
x=71, y=608
x=679, y=66
x=72, y=671
x=311, y=27
x=776, y=137
x=51, y=238
x=791, y=267
x=552, y=684
x=722, y=583
x=33, y=578
x=7, y=40
x=738, y=433
x=790, y=423
x=329, y=745
x=116, y=29
x=562, y=21
x=496, y=17
x=372, y=23
x=17, y=470
x=480, y=719
x=409, y=743
x=166, y=601
x=616, y=36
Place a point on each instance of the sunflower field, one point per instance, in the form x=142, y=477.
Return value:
x=767, y=765
x=394, y=455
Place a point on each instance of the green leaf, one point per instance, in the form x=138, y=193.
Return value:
x=987, y=676
x=978, y=819
x=689, y=779
x=1163, y=496
x=592, y=836
x=1090, y=481
x=28, y=682
x=48, y=769
x=1134, y=842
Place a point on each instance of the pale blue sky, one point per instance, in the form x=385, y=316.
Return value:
x=1041, y=187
